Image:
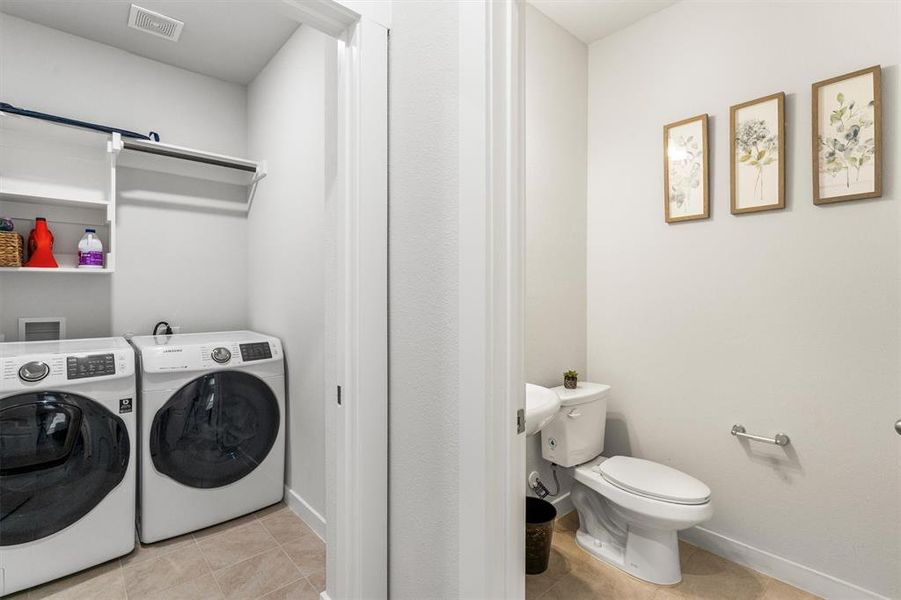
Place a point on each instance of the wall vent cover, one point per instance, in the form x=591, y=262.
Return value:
x=154, y=23
x=42, y=329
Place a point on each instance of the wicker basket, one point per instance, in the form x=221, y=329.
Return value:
x=10, y=249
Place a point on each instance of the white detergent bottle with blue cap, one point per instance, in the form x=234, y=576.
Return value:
x=90, y=251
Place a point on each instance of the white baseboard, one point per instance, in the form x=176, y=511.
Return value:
x=780, y=568
x=307, y=513
x=563, y=504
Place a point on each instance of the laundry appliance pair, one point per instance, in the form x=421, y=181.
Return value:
x=197, y=441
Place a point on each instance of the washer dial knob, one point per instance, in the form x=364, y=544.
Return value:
x=34, y=371
x=221, y=355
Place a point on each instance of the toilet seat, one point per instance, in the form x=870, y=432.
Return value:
x=653, y=480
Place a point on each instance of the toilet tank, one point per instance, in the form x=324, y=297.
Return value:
x=576, y=434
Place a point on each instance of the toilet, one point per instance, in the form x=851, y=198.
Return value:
x=630, y=509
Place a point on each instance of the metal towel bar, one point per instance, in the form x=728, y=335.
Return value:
x=780, y=440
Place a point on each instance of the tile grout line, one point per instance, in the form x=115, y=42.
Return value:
x=210, y=537
x=280, y=549
x=293, y=564
x=277, y=546
x=246, y=558
x=162, y=556
x=165, y=553
x=213, y=574
x=214, y=571
x=310, y=583
x=279, y=587
x=547, y=591
x=193, y=534
x=256, y=518
x=122, y=567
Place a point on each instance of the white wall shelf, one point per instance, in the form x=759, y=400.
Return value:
x=50, y=200
x=68, y=174
x=68, y=264
x=197, y=164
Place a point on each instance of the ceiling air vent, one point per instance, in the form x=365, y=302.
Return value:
x=154, y=23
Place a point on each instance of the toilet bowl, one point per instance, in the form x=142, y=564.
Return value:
x=634, y=527
x=630, y=509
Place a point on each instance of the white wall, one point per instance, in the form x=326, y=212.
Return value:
x=161, y=249
x=424, y=283
x=291, y=120
x=781, y=321
x=556, y=177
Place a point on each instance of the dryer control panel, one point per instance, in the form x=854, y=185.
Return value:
x=255, y=351
x=217, y=354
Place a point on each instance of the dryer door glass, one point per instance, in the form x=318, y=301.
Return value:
x=60, y=455
x=215, y=430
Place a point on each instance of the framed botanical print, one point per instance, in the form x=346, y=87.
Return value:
x=757, y=154
x=847, y=137
x=685, y=173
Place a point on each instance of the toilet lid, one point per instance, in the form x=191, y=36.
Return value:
x=653, y=480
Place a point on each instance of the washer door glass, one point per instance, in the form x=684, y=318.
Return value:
x=60, y=455
x=215, y=430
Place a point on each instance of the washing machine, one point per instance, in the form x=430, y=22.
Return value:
x=67, y=457
x=212, y=423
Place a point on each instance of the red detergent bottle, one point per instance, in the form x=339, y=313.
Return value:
x=40, y=246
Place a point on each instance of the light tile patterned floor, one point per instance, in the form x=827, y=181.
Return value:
x=574, y=575
x=268, y=555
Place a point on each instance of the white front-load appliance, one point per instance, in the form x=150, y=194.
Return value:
x=212, y=422
x=67, y=457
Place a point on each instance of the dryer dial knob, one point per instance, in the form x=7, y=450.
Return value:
x=34, y=371
x=221, y=355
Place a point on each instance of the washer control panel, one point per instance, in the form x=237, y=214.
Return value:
x=93, y=365
x=48, y=370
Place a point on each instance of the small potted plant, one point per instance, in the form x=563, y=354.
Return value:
x=570, y=380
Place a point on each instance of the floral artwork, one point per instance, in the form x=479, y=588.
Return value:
x=685, y=173
x=757, y=132
x=847, y=137
x=685, y=170
x=845, y=151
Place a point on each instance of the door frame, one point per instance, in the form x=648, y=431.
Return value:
x=491, y=263
x=357, y=448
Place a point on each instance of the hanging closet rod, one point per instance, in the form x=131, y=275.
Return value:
x=184, y=154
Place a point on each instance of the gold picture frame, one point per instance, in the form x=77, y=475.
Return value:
x=686, y=173
x=847, y=137
x=757, y=154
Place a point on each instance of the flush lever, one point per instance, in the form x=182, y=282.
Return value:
x=573, y=414
x=898, y=426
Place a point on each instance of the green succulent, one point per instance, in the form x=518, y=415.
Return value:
x=571, y=374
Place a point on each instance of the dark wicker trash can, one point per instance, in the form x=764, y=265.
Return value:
x=540, y=515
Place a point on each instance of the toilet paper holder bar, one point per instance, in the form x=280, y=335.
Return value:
x=780, y=440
